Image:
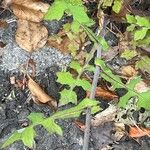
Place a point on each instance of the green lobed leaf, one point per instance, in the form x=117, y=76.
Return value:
x=109, y=76
x=76, y=66
x=140, y=34
x=14, y=137
x=142, y=21
x=90, y=68
x=56, y=11
x=131, y=27
x=96, y=39
x=67, y=96
x=143, y=98
x=131, y=19
x=36, y=118
x=27, y=136
x=65, y=78
x=76, y=110
x=129, y=54
x=79, y=14
x=50, y=125
x=117, y=6
x=86, y=85
x=75, y=26
x=107, y=3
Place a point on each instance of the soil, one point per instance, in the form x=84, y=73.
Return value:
x=15, y=107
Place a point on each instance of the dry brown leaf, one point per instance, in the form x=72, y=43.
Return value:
x=128, y=71
x=80, y=125
x=40, y=95
x=100, y=92
x=135, y=132
x=30, y=10
x=60, y=44
x=31, y=36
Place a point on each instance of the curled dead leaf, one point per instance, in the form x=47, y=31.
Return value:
x=30, y=10
x=40, y=95
x=31, y=36
x=100, y=92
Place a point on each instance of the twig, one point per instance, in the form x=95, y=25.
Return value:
x=92, y=94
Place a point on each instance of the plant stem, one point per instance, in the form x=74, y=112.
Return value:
x=92, y=94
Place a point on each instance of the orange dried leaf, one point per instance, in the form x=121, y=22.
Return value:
x=135, y=132
x=80, y=125
x=40, y=95
x=108, y=95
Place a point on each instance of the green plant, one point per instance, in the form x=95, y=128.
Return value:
x=27, y=134
x=140, y=27
x=74, y=8
x=79, y=26
x=81, y=22
x=143, y=98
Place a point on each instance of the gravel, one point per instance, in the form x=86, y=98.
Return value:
x=13, y=57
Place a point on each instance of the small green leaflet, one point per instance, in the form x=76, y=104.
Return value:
x=51, y=126
x=140, y=34
x=76, y=66
x=143, y=64
x=14, y=137
x=65, y=78
x=142, y=21
x=131, y=27
x=67, y=96
x=108, y=75
x=86, y=85
x=27, y=136
x=143, y=98
x=129, y=54
x=107, y=3
x=36, y=118
x=96, y=39
x=56, y=11
x=131, y=19
x=117, y=6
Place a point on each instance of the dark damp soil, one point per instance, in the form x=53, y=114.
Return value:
x=15, y=107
